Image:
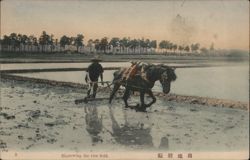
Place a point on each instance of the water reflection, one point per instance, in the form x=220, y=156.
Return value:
x=128, y=128
x=94, y=124
x=130, y=134
x=138, y=130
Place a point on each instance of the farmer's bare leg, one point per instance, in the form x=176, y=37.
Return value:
x=89, y=90
x=95, y=86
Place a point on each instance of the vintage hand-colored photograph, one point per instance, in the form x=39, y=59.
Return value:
x=124, y=79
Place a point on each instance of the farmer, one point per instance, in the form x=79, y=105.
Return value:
x=94, y=71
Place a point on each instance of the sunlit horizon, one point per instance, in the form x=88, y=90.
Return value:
x=223, y=23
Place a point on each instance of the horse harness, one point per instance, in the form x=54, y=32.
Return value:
x=137, y=68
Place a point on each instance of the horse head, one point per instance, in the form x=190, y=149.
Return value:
x=167, y=76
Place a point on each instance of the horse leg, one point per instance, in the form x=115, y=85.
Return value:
x=115, y=89
x=126, y=96
x=142, y=108
x=150, y=93
x=142, y=94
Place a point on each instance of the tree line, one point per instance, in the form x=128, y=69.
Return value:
x=48, y=43
x=14, y=41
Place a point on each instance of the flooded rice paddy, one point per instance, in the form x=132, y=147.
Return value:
x=224, y=82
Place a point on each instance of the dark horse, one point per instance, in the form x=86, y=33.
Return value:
x=144, y=84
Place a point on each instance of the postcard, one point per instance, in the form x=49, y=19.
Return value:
x=124, y=79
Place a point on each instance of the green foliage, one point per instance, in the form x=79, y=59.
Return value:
x=195, y=47
x=187, y=49
x=115, y=42
x=44, y=39
x=97, y=44
x=104, y=44
x=65, y=41
x=14, y=42
x=78, y=41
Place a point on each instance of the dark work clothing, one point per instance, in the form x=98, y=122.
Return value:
x=94, y=70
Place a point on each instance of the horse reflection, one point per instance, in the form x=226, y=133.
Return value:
x=94, y=123
x=133, y=133
x=129, y=134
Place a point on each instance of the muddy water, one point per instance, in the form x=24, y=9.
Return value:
x=46, y=118
x=225, y=82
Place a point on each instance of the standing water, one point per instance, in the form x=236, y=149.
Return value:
x=225, y=82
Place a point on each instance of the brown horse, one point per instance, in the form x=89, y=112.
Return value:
x=144, y=84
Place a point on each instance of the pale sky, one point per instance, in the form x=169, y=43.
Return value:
x=222, y=22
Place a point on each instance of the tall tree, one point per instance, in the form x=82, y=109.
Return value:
x=65, y=41
x=153, y=44
x=14, y=41
x=133, y=44
x=180, y=48
x=104, y=44
x=143, y=44
x=78, y=41
x=56, y=41
x=114, y=42
x=51, y=42
x=97, y=44
x=23, y=39
x=29, y=44
x=33, y=41
x=124, y=43
x=195, y=47
x=187, y=49
x=6, y=42
x=20, y=41
x=90, y=44
x=167, y=45
x=147, y=44
x=170, y=46
x=163, y=45
x=175, y=47
x=44, y=40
